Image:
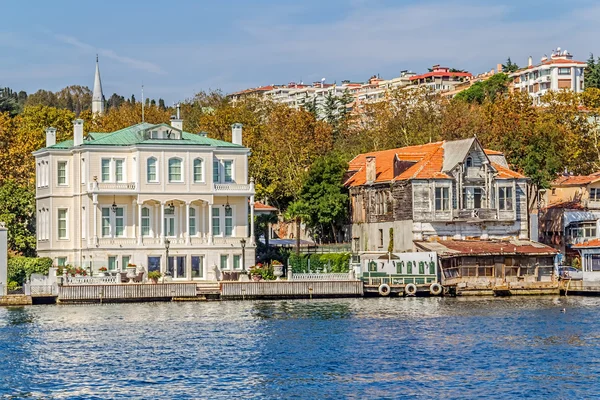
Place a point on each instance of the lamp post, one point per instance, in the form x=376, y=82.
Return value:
x=243, y=243
x=167, y=244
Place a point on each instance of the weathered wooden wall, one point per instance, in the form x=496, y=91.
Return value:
x=290, y=289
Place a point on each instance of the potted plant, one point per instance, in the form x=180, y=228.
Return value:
x=255, y=272
x=277, y=269
x=154, y=276
x=102, y=271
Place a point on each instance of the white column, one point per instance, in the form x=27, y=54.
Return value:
x=252, y=219
x=204, y=219
x=210, y=227
x=134, y=216
x=181, y=232
x=139, y=234
x=162, y=222
x=154, y=226
x=95, y=220
x=187, y=222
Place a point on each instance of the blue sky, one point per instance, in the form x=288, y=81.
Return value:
x=179, y=48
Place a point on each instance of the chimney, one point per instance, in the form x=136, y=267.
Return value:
x=499, y=68
x=176, y=121
x=371, y=169
x=236, y=134
x=78, y=132
x=530, y=62
x=50, y=136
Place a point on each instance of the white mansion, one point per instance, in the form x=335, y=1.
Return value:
x=110, y=199
x=142, y=194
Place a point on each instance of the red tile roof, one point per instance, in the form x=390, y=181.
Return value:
x=575, y=180
x=428, y=159
x=440, y=73
x=493, y=152
x=258, y=206
x=588, y=244
x=455, y=248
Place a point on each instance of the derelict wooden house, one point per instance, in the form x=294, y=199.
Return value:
x=443, y=197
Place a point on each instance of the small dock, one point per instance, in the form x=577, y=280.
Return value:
x=126, y=293
x=291, y=289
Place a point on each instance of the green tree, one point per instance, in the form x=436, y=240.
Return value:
x=325, y=196
x=592, y=73
x=298, y=211
x=509, y=66
x=17, y=211
x=480, y=91
x=9, y=102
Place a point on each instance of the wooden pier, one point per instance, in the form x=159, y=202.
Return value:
x=291, y=289
x=126, y=292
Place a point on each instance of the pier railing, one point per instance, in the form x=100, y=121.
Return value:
x=290, y=289
x=321, y=277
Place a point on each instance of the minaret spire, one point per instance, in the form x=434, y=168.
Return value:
x=97, y=95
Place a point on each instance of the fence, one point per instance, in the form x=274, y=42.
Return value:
x=92, y=280
x=322, y=277
x=43, y=290
x=289, y=289
x=126, y=292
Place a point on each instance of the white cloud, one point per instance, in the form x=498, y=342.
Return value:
x=131, y=62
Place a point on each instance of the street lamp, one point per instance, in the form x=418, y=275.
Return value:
x=171, y=207
x=243, y=243
x=114, y=205
x=167, y=244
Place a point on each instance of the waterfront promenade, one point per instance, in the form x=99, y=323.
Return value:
x=342, y=348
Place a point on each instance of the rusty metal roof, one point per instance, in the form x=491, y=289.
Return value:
x=456, y=248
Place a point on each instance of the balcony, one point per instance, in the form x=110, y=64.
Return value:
x=111, y=187
x=245, y=188
x=476, y=214
x=474, y=173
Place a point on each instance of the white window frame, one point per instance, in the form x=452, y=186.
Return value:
x=123, y=170
x=155, y=180
x=181, y=172
x=193, y=218
x=506, y=198
x=232, y=171
x=112, y=222
x=66, y=210
x=149, y=218
x=202, y=174
x=66, y=163
x=228, y=264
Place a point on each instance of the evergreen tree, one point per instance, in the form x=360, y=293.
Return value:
x=161, y=104
x=509, y=67
x=592, y=73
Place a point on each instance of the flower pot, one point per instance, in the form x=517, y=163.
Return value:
x=256, y=278
x=101, y=274
x=278, y=271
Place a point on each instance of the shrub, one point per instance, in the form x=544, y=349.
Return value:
x=20, y=268
x=334, y=262
x=154, y=275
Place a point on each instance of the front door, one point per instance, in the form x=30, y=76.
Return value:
x=176, y=267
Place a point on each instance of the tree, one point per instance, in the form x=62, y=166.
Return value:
x=161, y=104
x=17, y=211
x=592, y=73
x=325, y=196
x=9, y=102
x=262, y=223
x=297, y=211
x=509, y=67
x=480, y=91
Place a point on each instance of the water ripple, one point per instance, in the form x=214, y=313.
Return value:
x=343, y=348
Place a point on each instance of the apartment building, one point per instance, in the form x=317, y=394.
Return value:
x=557, y=72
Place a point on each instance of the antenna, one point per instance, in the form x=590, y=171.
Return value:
x=142, y=101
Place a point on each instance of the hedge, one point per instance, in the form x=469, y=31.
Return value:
x=333, y=262
x=20, y=268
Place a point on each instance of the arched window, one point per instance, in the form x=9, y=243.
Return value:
x=175, y=170
x=192, y=231
x=198, y=170
x=151, y=170
x=469, y=161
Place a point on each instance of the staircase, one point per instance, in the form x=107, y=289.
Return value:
x=208, y=290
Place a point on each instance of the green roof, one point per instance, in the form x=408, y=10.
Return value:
x=134, y=135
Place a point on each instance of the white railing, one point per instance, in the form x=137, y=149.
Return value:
x=322, y=277
x=151, y=240
x=116, y=241
x=106, y=186
x=91, y=280
x=232, y=187
x=176, y=240
x=228, y=240
x=198, y=240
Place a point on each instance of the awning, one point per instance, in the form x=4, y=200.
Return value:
x=461, y=248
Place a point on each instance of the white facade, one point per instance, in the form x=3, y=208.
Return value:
x=559, y=72
x=119, y=198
